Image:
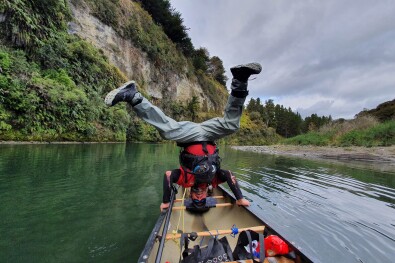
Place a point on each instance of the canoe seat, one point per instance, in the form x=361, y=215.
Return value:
x=217, y=205
x=216, y=197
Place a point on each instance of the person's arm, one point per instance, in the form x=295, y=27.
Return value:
x=227, y=176
x=169, y=178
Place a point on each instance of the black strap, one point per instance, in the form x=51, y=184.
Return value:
x=250, y=244
x=262, y=248
x=261, y=244
x=204, y=147
x=184, y=242
x=209, y=247
x=227, y=248
x=239, y=93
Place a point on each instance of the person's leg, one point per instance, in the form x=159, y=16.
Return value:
x=217, y=128
x=168, y=128
x=186, y=132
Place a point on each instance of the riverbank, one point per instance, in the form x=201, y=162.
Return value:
x=381, y=156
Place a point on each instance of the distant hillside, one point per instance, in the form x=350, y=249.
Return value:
x=383, y=112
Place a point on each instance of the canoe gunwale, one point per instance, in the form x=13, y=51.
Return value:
x=152, y=238
x=267, y=227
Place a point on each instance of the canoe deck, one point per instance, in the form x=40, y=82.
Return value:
x=217, y=220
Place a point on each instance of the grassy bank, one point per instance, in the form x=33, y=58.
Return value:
x=365, y=131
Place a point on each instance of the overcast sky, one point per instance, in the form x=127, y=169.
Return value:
x=332, y=57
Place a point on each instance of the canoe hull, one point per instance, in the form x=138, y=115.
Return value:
x=216, y=219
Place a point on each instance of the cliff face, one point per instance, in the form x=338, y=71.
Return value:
x=158, y=82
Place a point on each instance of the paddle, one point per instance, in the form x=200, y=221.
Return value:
x=165, y=227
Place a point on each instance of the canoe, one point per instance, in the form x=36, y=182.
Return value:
x=163, y=244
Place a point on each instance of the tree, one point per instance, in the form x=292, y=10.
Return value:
x=251, y=106
x=201, y=59
x=269, y=114
x=255, y=106
x=171, y=22
x=314, y=122
x=294, y=124
x=216, y=70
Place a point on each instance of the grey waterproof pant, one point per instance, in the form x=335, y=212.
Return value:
x=186, y=131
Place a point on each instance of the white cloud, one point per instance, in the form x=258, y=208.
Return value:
x=330, y=58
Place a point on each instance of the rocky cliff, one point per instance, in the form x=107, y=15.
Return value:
x=158, y=82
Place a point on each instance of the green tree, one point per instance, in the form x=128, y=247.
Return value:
x=216, y=70
x=251, y=106
x=255, y=105
x=269, y=114
x=295, y=123
x=201, y=59
x=171, y=21
x=314, y=122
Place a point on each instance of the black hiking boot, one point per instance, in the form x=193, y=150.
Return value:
x=124, y=93
x=243, y=72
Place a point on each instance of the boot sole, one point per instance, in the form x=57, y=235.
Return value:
x=111, y=95
x=255, y=68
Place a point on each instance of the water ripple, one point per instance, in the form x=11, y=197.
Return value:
x=352, y=219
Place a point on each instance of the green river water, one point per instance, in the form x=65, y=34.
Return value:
x=99, y=202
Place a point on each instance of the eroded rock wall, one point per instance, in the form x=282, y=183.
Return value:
x=133, y=62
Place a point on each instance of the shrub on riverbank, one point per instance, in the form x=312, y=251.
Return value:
x=380, y=135
x=253, y=131
x=58, y=97
x=359, y=132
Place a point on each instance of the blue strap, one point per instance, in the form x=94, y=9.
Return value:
x=235, y=231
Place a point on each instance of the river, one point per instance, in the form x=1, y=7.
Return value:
x=99, y=202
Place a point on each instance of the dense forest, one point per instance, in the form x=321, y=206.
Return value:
x=52, y=82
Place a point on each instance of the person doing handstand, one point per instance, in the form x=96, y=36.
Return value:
x=199, y=159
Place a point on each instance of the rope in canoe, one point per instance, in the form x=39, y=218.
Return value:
x=182, y=214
